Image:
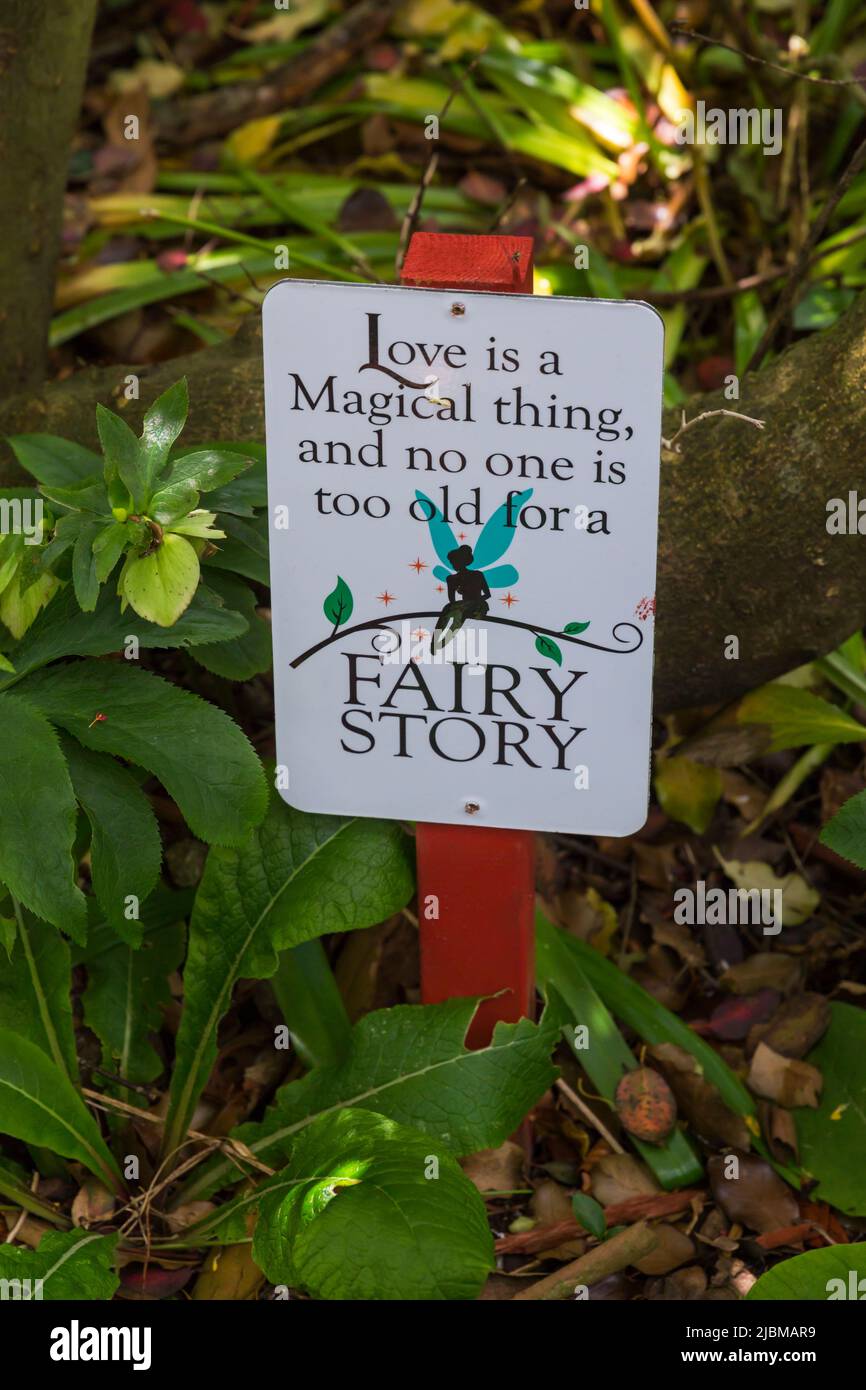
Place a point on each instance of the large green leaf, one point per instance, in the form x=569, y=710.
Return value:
x=794, y=717
x=361, y=1212
x=53, y=460
x=125, y=848
x=206, y=468
x=39, y=1104
x=820, y=1275
x=63, y=630
x=240, y=658
x=37, y=813
x=410, y=1063
x=35, y=992
x=125, y=992
x=311, y=1004
x=832, y=1139
x=163, y=423
x=201, y=757
x=73, y=1265
x=160, y=587
x=124, y=455
x=293, y=878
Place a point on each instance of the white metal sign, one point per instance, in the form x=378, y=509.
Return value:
x=464, y=503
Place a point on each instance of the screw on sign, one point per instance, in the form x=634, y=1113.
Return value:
x=461, y=622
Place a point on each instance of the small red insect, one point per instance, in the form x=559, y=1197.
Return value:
x=97, y=719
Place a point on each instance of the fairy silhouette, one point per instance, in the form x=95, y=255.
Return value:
x=468, y=577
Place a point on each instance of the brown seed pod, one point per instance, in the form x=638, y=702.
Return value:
x=645, y=1105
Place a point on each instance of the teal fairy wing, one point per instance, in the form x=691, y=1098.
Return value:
x=496, y=535
x=443, y=538
x=440, y=572
x=500, y=577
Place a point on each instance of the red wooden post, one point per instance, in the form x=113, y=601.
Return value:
x=482, y=941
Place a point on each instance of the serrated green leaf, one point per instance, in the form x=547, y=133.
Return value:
x=545, y=646
x=124, y=455
x=240, y=658
x=201, y=757
x=37, y=812
x=338, y=606
x=39, y=1104
x=832, y=1138
x=368, y=1221
x=830, y=1274
x=795, y=717
x=160, y=586
x=206, y=469
x=35, y=992
x=55, y=461
x=845, y=834
x=410, y=1062
x=163, y=423
x=68, y=1265
x=126, y=990
x=293, y=878
x=125, y=848
x=63, y=630
x=84, y=576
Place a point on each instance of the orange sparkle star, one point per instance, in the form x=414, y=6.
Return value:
x=386, y=598
x=420, y=633
x=440, y=588
x=418, y=565
x=509, y=600
x=461, y=535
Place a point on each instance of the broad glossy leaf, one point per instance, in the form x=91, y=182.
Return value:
x=87, y=496
x=243, y=657
x=368, y=1220
x=125, y=992
x=160, y=586
x=410, y=1062
x=206, y=468
x=245, y=549
x=846, y=832
x=832, y=1139
x=820, y=1275
x=124, y=455
x=163, y=423
x=293, y=878
x=37, y=813
x=125, y=848
x=53, y=460
x=35, y=992
x=39, y=1104
x=69, y=1265
x=63, y=630
x=201, y=757
x=171, y=503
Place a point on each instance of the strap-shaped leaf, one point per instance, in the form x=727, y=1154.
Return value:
x=39, y=1104
x=294, y=878
x=35, y=992
x=37, y=815
x=201, y=757
x=125, y=848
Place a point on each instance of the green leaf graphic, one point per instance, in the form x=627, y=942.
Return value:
x=574, y=628
x=339, y=604
x=548, y=648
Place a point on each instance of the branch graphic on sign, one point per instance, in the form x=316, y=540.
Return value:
x=470, y=575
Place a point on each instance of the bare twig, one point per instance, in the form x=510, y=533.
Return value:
x=580, y=1104
x=671, y=444
x=631, y=1245
x=683, y=31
